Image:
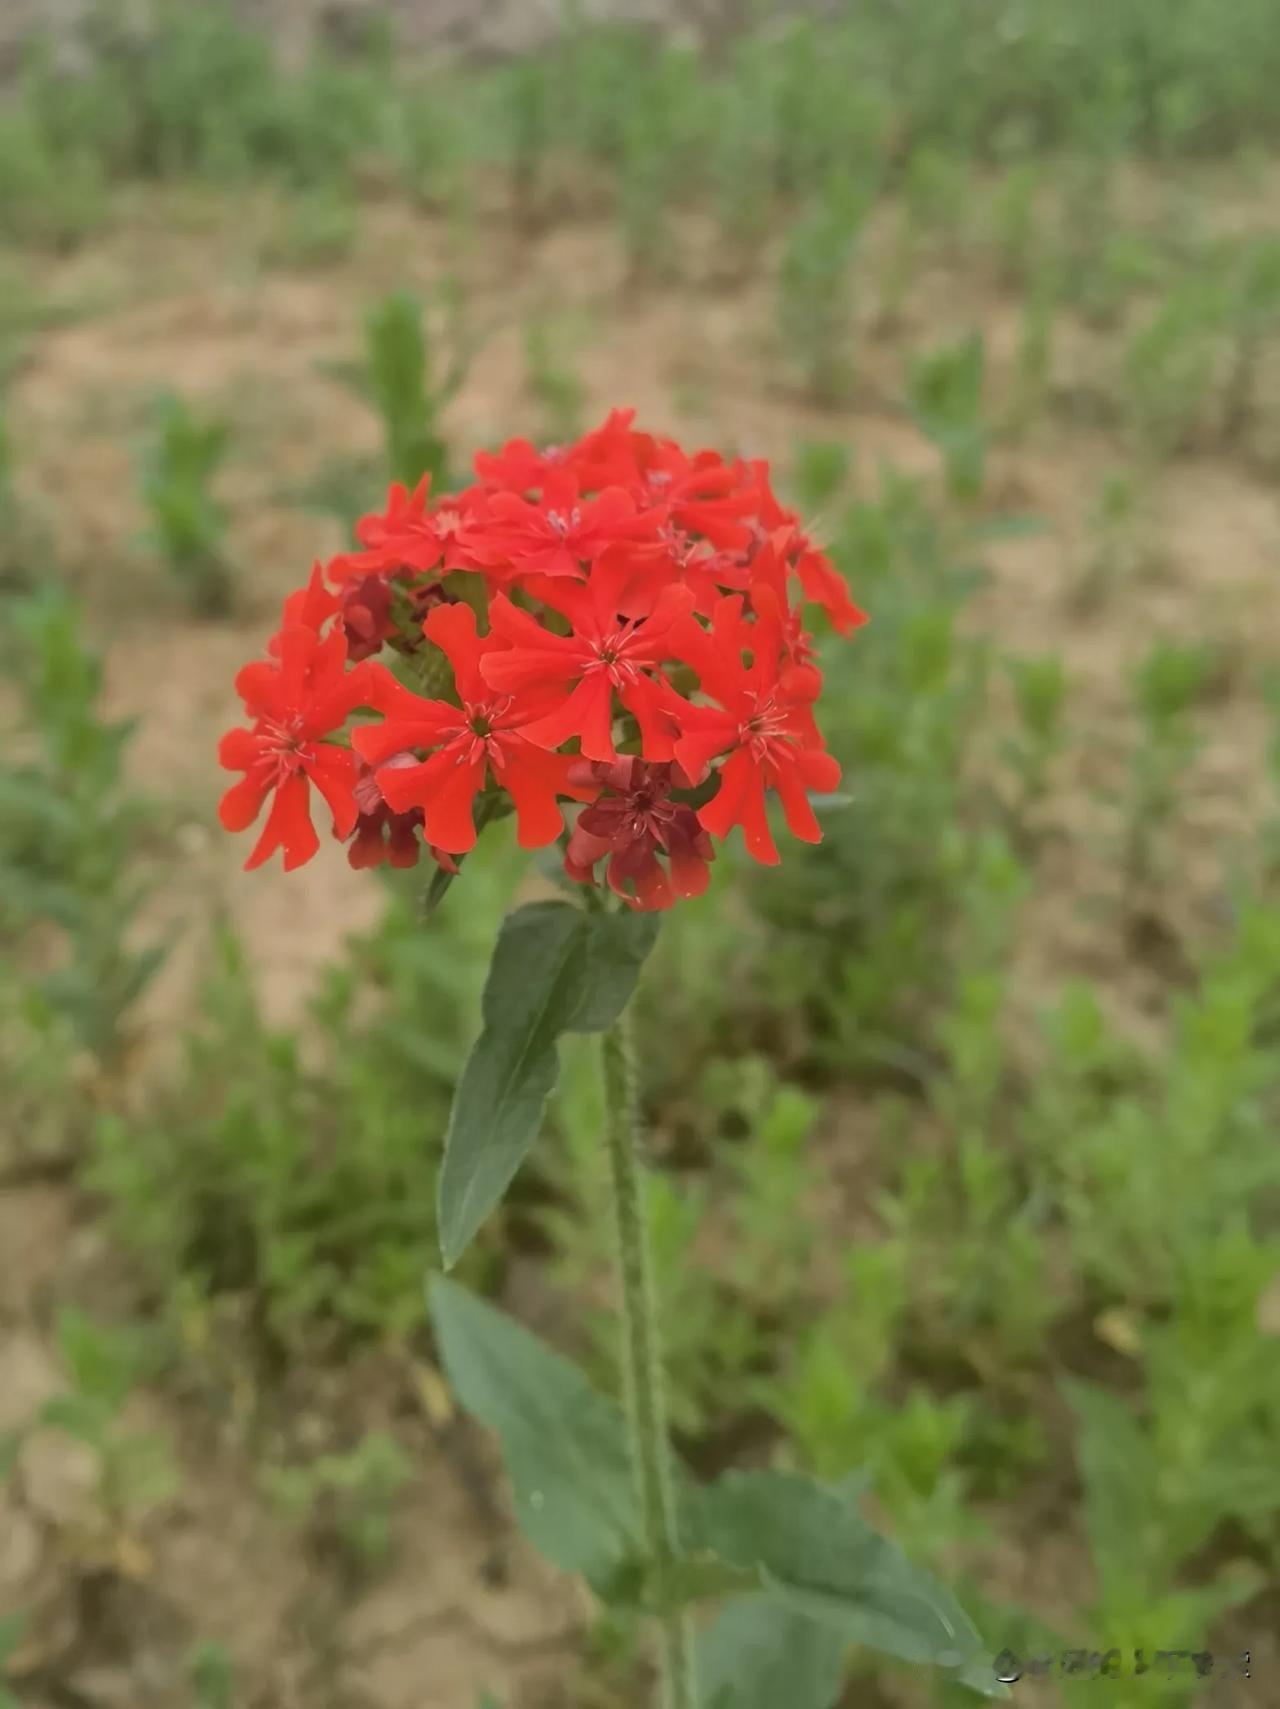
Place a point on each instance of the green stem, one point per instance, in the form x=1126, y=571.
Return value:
x=642, y=1360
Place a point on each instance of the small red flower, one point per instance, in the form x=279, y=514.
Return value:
x=311, y=606
x=764, y=723
x=409, y=537
x=605, y=651
x=366, y=615
x=296, y=700
x=381, y=834
x=563, y=532
x=518, y=468
x=467, y=744
x=705, y=495
x=629, y=824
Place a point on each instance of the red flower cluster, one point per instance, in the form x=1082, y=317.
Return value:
x=637, y=651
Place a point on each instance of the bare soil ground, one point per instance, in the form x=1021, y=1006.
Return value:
x=178, y=295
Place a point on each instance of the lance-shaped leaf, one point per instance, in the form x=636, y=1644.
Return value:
x=555, y=969
x=815, y=1554
x=563, y=1442
x=759, y=1654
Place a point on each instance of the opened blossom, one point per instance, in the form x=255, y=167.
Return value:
x=630, y=823
x=297, y=701
x=464, y=746
x=608, y=638
x=606, y=660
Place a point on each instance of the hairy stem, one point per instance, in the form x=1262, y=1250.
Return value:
x=642, y=1360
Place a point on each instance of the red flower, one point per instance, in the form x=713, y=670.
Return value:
x=381, y=834
x=763, y=723
x=705, y=495
x=629, y=824
x=484, y=735
x=295, y=701
x=562, y=532
x=311, y=606
x=605, y=651
x=409, y=537
x=518, y=468
x=818, y=576
x=366, y=615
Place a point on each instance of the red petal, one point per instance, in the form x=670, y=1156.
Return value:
x=448, y=817
x=241, y=804
x=740, y=801
x=453, y=629
x=288, y=827
x=333, y=771
x=533, y=779
x=239, y=749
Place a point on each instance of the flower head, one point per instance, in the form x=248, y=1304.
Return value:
x=614, y=622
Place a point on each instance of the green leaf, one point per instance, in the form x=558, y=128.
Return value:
x=759, y=1654
x=563, y=1443
x=554, y=970
x=817, y=1555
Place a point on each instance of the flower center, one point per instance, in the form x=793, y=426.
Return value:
x=611, y=651
x=282, y=742
x=765, y=729
x=480, y=736
x=562, y=524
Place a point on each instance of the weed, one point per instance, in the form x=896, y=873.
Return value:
x=400, y=378
x=212, y=1674
x=550, y=377
x=820, y=470
x=302, y=1198
x=815, y=303
x=72, y=832
x=346, y=1500
x=1033, y=360
x=1014, y=223
x=1039, y=691
x=1168, y=684
x=944, y=389
x=135, y=1472
x=188, y=525
x=1172, y=364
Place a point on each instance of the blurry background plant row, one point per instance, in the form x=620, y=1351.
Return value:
x=965, y=1120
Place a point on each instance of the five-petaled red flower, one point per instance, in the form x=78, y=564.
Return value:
x=604, y=651
x=465, y=745
x=295, y=700
x=763, y=722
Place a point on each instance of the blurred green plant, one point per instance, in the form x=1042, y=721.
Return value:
x=1039, y=691
x=1168, y=684
x=105, y=1363
x=346, y=1500
x=70, y=834
x=212, y=1674
x=302, y=1198
x=945, y=394
x=551, y=378
x=188, y=525
x=815, y=288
